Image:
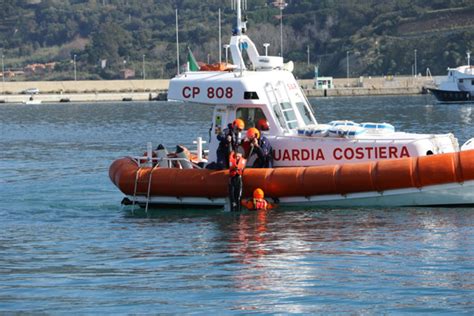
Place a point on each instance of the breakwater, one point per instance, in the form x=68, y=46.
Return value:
x=142, y=90
x=367, y=86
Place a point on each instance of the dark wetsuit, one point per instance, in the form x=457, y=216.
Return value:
x=225, y=148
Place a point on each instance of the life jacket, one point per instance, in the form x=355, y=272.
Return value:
x=236, y=165
x=259, y=204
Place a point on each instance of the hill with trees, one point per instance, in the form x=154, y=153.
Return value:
x=107, y=36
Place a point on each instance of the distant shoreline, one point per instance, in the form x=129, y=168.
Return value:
x=156, y=89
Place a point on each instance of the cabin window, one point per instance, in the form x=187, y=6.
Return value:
x=461, y=80
x=250, y=116
x=305, y=113
x=279, y=115
x=472, y=82
x=289, y=115
x=250, y=95
x=286, y=106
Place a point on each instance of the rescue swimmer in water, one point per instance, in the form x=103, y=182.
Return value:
x=258, y=203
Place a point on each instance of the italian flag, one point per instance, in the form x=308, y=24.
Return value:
x=192, y=63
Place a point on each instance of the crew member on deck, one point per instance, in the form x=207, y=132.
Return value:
x=259, y=145
x=262, y=125
x=229, y=140
x=258, y=203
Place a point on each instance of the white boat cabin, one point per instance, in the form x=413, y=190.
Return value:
x=459, y=79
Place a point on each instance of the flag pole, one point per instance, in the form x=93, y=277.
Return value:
x=220, y=38
x=177, y=44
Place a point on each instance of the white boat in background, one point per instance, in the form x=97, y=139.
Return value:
x=458, y=86
x=338, y=163
x=31, y=100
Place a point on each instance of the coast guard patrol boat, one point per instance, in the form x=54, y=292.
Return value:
x=339, y=163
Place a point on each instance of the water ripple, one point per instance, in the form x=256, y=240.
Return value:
x=67, y=246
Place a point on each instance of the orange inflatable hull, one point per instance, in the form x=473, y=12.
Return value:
x=376, y=176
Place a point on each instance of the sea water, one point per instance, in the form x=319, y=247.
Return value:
x=67, y=245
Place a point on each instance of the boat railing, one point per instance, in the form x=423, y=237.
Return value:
x=156, y=161
x=149, y=158
x=375, y=140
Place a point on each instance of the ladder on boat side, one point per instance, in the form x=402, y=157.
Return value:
x=148, y=183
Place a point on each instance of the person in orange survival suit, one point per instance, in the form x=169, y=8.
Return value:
x=236, y=169
x=257, y=144
x=258, y=203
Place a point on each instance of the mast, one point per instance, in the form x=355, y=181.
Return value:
x=241, y=25
x=177, y=44
x=281, y=4
x=220, y=37
x=239, y=18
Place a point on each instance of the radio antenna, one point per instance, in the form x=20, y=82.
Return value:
x=239, y=5
x=233, y=4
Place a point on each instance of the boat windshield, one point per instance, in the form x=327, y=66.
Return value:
x=305, y=113
x=279, y=115
x=289, y=115
x=250, y=116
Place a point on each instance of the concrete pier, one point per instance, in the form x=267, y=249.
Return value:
x=363, y=86
x=143, y=90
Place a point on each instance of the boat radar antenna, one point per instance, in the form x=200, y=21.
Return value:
x=239, y=5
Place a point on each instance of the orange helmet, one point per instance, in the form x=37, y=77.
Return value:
x=253, y=133
x=258, y=193
x=239, y=123
x=262, y=125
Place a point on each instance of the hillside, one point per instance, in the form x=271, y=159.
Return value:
x=109, y=36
